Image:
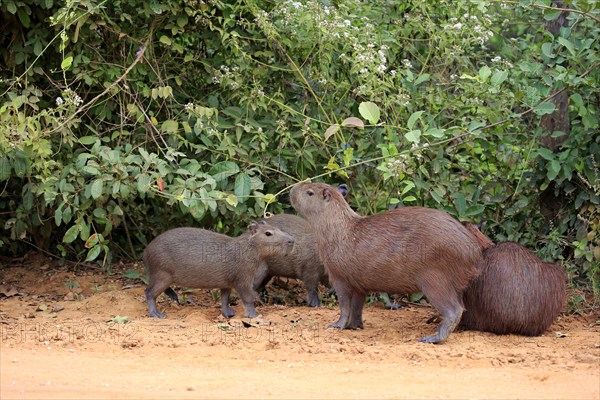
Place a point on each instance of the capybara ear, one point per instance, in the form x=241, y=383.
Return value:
x=253, y=227
x=263, y=222
x=326, y=194
x=343, y=189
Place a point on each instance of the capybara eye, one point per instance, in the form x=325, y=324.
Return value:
x=268, y=233
x=310, y=192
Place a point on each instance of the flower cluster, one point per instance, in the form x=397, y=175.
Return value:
x=69, y=97
x=471, y=25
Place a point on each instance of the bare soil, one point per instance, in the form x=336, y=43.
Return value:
x=59, y=338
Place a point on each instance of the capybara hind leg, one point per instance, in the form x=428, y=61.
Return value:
x=449, y=304
x=357, y=303
x=171, y=293
x=225, y=310
x=385, y=299
x=248, y=296
x=344, y=298
x=151, y=293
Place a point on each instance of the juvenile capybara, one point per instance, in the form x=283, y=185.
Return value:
x=515, y=293
x=303, y=262
x=197, y=258
x=399, y=251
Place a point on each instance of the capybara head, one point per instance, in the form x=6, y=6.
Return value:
x=311, y=199
x=269, y=240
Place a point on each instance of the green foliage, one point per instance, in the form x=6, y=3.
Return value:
x=121, y=119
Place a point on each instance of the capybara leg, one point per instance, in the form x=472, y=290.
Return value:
x=171, y=293
x=225, y=310
x=311, y=285
x=151, y=294
x=385, y=299
x=448, y=303
x=356, y=306
x=248, y=296
x=344, y=298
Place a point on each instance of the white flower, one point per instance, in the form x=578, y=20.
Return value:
x=59, y=101
x=407, y=63
x=496, y=59
x=381, y=68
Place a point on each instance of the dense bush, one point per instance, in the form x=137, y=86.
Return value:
x=120, y=119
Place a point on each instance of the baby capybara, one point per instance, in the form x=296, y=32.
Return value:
x=197, y=258
x=399, y=251
x=516, y=292
x=303, y=262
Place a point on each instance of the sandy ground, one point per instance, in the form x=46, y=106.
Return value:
x=59, y=339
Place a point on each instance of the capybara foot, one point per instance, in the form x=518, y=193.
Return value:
x=355, y=325
x=392, y=306
x=227, y=312
x=250, y=314
x=432, y=339
x=313, y=302
x=156, y=314
x=335, y=325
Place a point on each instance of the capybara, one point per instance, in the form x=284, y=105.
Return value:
x=303, y=262
x=403, y=250
x=197, y=258
x=516, y=292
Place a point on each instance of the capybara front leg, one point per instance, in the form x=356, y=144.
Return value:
x=151, y=294
x=344, y=298
x=248, y=296
x=225, y=310
x=449, y=304
x=356, y=306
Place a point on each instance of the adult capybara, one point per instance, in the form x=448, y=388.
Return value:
x=303, y=262
x=399, y=251
x=197, y=258
x=516, y=292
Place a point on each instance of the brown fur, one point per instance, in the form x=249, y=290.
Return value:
x=484, y=241
x=197, y=258
x=516, y=293
x=402, y=250
x=303, y=262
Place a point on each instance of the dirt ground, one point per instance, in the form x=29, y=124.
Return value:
x=64, y=335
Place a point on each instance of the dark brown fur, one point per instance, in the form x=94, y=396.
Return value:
x=197, y=258
x=303, y=262
x=399, y=251
x=516, y=292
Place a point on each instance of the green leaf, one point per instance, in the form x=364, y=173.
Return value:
x=169, y=126
x=24, y=18
x=567, y=44
x=88, y=140
x=71, y=233
x=165, y=40
x=547, y=50
x=223, y=170
x=242, y=186
x=120, y=319
x=143, y=183
x=94, y=253
x=413, y=119
x=5, y=169
x=545, y=153
x=484, y=73
x=436, y=133
x=409, y=198
x=132, y=273
x=474, y=210
x=269, y=198
x=413, y=136
x=331, y=131
x=232, y=199
x=553, y=170
x=66, y=63
x=544, y=108
x=498, y=78
x=97, y=187
x=460, y=203
x=421, y=79
x=369, y=111
x=11, y=7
